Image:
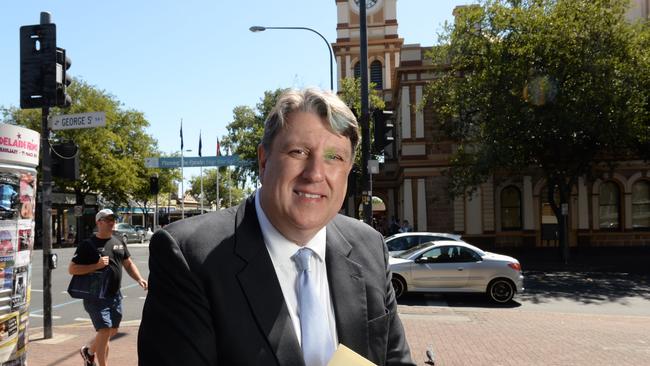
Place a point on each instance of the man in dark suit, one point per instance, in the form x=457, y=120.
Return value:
x=231, y=287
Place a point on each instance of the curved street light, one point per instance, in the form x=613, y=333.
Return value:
x=257, y=28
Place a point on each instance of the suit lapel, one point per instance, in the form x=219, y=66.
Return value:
x=348, y=292
x=260, y=284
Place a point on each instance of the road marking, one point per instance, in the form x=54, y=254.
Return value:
x=82, y=320
x=142, y=297
x=40, y=316
x=36, y=290
x=74, y=301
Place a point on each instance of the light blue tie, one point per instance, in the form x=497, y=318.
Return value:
x=317, y=344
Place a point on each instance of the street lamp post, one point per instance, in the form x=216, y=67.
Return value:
x=258, y=28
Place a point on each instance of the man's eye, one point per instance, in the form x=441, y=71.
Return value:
x=298, y=152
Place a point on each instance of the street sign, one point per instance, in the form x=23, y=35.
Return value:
x=193, y=161
x=80, y=120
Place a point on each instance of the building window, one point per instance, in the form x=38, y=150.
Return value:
x=510, y=208
x=357, y=70
x=376, y=75
x=641, y=205
x=609, y=206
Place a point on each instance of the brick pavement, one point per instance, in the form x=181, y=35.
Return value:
x=458, y=336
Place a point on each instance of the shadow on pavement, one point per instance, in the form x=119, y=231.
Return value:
x=584, y=287
x=542, y=287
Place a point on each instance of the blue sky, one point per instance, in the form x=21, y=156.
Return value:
x=195, y=59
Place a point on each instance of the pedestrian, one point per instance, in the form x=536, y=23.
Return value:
x=95, y=253
x=282, y=278
x=406, y=227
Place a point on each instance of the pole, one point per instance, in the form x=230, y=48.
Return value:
x=329, y=47
x=182, y=188
x=155, y=215
x=217, y=203
x=365, y=124
x=201, y=190
x=46, y=217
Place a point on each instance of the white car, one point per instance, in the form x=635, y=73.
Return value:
x=456, y=266
x=403, y=241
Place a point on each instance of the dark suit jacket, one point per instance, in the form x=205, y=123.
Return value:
x=214, y=297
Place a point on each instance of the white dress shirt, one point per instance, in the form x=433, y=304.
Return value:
x=281, y=250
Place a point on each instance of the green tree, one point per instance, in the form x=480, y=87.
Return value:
x=350, y=94
x=245, y=133
x=111, y=157
x=552, y=86
x=229, y=192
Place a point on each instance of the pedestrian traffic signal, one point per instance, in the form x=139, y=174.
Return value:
x=153, y=185
x=383, y=133
x=37, y=63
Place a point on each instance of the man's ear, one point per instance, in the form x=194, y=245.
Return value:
x=261, y=161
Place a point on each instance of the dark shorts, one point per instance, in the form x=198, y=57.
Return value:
x=105, y=313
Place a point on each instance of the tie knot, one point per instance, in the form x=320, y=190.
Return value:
x=302, y=259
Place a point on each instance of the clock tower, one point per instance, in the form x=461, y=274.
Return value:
x=384, y=44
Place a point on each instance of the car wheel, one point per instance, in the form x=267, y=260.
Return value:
x=141, y=238
x=501, y=290
x=399, y=286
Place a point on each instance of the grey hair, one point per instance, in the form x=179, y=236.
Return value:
x=327, y=105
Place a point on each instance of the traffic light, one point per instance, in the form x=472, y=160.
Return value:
x=383, y=134
x=153, y=185
x=65, y=161
x=37, y=63
x=43, y=68
x=63, y=79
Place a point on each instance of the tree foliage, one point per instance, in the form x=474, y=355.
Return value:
x=557, y=86
x=554, y=85
x=111, y=158
x=245, y=133
x=229, y=192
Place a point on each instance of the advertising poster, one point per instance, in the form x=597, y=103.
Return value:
x=19, y=148
x=8, y=336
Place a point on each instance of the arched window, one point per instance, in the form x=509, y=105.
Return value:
x=609, y=206
x=357, y=70
x=641, y=204
x=376, y=75
x=510, y=208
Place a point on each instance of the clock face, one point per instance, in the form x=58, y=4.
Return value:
x=369, y=3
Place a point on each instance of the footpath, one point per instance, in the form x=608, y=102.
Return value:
x=457, y=336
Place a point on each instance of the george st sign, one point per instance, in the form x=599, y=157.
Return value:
x=80, y=120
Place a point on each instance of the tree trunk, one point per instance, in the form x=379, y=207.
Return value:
x=563, y=189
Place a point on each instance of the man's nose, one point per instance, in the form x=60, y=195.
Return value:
x=314, y=169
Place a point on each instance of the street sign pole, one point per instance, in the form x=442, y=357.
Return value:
x=46, y=223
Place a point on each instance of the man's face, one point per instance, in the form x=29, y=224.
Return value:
x=304, y=176
x=106, y=224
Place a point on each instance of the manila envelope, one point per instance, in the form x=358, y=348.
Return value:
x=347, y=357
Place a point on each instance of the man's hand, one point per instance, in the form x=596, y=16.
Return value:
x=143, y=283
x=102, y=262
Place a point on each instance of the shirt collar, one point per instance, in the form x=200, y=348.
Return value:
x=280, y=246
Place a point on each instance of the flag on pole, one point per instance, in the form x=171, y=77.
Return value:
x=218, y=148
x=200, y=144
x=181, y=134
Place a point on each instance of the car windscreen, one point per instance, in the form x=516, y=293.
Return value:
x=409, y=252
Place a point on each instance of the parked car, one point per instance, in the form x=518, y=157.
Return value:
x=456, y=266
x=398, y=243
x=127, y=233
x=144, y=231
